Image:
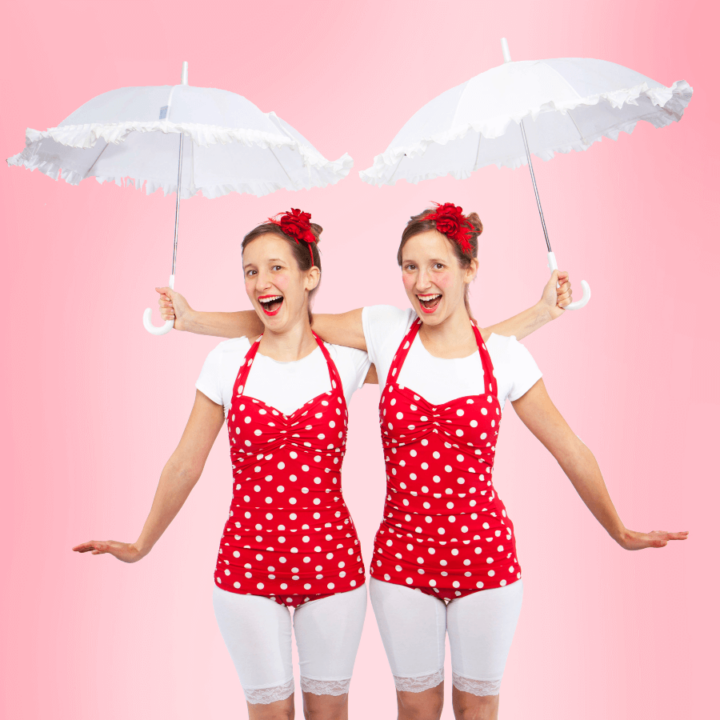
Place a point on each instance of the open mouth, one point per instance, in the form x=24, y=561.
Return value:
x=429, y=303
x=271, y=304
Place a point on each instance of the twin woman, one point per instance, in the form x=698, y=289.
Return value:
x=444, y=559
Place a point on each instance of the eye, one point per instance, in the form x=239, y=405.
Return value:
x=409, y=267
x=277, y=267
x=249, y=272
x=439, y=266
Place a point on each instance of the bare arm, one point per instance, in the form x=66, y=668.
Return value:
x=346, y=328
x=178, y=478
x=539, y=414
x=549, y=307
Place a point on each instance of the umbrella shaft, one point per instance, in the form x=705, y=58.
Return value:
x=177, y=203
x=532, y=175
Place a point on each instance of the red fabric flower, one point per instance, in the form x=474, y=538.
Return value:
x=450, y=221
x=296, y=224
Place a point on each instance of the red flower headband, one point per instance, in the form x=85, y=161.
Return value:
x=450, y=221
x=296, y=224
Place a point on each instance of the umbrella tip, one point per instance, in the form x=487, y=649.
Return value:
x=505, y=50
x=184, y=79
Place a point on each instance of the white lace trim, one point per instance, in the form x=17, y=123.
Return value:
x=668, y=103
x=36, y=157
x=476, y=687
x=265, y=696
x=325, y=687
x=420, y=683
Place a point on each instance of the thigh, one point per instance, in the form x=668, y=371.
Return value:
x=258, y=635
x=327, y=633
x=481, y=628
x=412, y=626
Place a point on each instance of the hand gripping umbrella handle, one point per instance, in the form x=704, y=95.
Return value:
x=552, y=264
x=167, y=326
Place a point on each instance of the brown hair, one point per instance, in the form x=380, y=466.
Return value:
x=301, y=250
x=417, y=224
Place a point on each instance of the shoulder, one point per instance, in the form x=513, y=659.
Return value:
x=508, y=349
x=228, y=350
x=387, y=316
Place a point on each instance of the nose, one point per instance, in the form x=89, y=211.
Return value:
x=262, y=281
x=423, y=282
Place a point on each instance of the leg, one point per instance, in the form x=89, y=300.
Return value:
x=257, y=632
x=412, y=627
x=481, y=628
x=328, y=633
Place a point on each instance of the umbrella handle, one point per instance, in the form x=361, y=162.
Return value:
x=167, y=326
x=552, y=264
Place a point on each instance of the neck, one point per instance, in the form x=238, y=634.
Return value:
x=290, y=344
x=453, y=333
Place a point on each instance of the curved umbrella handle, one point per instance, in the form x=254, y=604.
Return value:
x=167, y=326
x=552, y=264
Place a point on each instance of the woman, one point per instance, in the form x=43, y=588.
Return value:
x=444, y=558
x=289, y=541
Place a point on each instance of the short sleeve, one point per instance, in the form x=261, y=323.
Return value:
x=524, y=370
x=353, y=368
x=384, y=327
x=210, y=381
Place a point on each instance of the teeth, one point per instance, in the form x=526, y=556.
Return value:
x=268, y=300
x=428, y=298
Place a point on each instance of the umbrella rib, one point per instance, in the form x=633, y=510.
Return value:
x=87, y=173
x=292, y=183
x=390, y=179
x=477, y=153
x=582, y=137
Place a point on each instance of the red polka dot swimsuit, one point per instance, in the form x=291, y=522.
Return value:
x=444, y=530
x=289, y=535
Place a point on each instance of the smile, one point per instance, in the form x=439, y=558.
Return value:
x=429, y=303
x=271, y=304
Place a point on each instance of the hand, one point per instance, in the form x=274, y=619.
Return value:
x=631, y=540
x=127, y=552
x=173, y=306
x=554, y=299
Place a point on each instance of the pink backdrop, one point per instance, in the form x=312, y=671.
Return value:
x=93, y=406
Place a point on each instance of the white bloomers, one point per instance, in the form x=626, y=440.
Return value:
x=258, y=634
x=480, y=627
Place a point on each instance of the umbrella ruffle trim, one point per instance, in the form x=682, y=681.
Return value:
x=320, y=176
x=668, y=107
x=85, y=136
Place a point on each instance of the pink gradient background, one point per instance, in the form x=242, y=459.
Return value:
x=93, y=406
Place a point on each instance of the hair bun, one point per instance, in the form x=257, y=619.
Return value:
x=474, y=219
x=316, y=230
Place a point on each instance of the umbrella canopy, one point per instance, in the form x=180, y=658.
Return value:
x=132, y=133
x=567, y=104
x=200, y=140
x=505, y=115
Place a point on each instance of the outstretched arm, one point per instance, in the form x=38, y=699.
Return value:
x=550, y=306
x=539, y=414
x=178, y=478
x=346, y=328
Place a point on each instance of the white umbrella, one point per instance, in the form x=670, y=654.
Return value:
x=203, y=140
x=504, y=115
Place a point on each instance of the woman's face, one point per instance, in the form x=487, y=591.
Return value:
x=434, y=280
x=276, y=286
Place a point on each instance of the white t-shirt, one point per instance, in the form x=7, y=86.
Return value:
x=286, y=386
x=440, y=380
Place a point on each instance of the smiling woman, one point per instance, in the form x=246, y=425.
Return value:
x=444, y=559
x=293, y=226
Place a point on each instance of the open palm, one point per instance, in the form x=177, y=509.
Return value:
x=126, y=552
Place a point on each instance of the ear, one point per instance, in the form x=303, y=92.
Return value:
x=471, y=271
x=312, y=278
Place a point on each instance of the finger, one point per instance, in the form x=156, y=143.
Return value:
x=162, y=290
x=563, y=275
